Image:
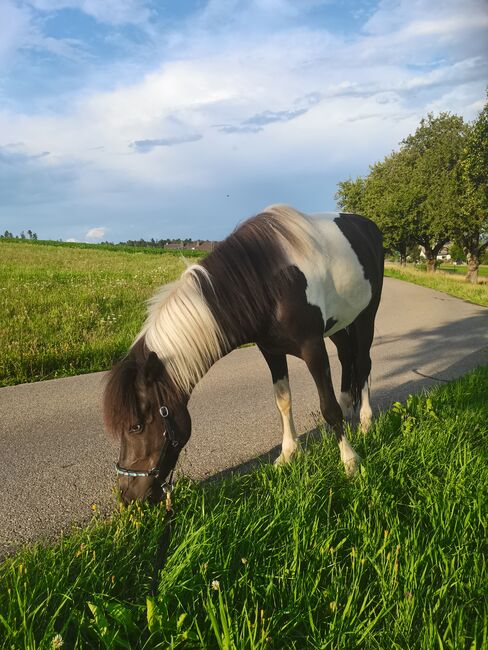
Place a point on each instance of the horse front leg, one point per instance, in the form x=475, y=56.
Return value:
x=279, y=373
x=315, y=356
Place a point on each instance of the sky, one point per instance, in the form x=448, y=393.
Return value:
x=128, y=119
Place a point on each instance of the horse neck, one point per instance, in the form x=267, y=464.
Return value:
x=183, y=331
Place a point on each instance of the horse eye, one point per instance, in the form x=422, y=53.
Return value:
x=135, y=428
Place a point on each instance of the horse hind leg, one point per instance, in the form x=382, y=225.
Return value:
x=315, y=356
x=279, y=372
x=363, y=331
x=344, y=345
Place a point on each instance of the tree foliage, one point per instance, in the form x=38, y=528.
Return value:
x=432, y=190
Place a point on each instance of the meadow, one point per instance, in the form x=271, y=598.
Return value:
x=292, y=557
x=72, y=309
x=68, y=309
x=446, y=279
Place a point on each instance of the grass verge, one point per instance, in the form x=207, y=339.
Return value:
x=295, y=557
x=450, y=283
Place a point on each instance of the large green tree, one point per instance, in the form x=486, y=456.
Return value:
x=415, y=194
x=432, y=156
x=472, y=232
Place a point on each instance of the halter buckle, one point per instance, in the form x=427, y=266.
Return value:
x=163, y=410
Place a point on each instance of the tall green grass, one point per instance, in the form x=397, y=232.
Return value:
x=294, y=557
x=70, y=310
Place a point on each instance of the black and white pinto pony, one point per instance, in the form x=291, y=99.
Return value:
x=282, y=280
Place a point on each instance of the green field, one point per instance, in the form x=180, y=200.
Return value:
x=68, y=309
x=71, y=309
x=294, y=557
x=452, y=283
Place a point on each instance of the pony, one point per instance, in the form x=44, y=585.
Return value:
x=283, y=280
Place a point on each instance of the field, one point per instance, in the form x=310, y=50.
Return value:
x=446, y=280
x=68, y=309
x=294, y=557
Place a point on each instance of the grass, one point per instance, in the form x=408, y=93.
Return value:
x=450, y=283
x=462, y=270
x=295, y=557
x=71, y=309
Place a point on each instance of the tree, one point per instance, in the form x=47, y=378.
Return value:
x=432, y=157
x=350, y=195
x=390, y=202
x=472, y=233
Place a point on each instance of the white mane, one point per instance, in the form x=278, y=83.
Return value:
x=181, y=329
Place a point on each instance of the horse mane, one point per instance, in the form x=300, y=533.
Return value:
x=252, y=266
x=120, y=397
x=182, y=330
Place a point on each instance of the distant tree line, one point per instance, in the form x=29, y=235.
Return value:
x=25, y=234
x=153, y=243
x=170, y=243
x=432, y=191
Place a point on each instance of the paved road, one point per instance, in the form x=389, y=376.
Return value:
x=55, y=461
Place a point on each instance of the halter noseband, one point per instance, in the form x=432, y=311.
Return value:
x=169, y=437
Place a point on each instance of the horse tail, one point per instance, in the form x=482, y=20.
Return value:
x=355, y=386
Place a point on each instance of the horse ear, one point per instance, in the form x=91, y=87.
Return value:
x=153, y=368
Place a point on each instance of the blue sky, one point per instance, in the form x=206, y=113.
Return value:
x=122, y=119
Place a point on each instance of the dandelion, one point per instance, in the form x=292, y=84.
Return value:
x=80, y=550
x=215, y=585
x=94, y=507
x=57, y=641
x=333, y=606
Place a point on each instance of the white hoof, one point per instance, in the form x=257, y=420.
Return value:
x=287, y=457
x=351, y=466
x=365, y=422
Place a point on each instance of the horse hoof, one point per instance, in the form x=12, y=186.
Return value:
x=365, y=425
x=351, y=466
x=284, y=459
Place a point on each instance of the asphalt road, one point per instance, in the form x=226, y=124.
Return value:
x=56, y=462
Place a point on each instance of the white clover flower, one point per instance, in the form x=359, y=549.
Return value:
x=57, y=641
x=215, y=585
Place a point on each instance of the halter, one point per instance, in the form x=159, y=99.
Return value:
x=168, y=436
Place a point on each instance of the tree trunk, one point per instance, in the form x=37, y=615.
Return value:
x=430, y=261
x=473, y=264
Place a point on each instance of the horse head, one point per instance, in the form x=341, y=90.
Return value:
x=146, y=413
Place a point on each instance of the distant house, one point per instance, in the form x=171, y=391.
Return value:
x=443, y=256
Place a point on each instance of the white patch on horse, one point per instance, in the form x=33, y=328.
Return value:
x=345, y=402
x=365, y=413
x=182, y=331
x=283, y=402
x=349, y=457
x=334, y=275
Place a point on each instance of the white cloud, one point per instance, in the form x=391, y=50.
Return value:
x=16, y=29
x=96, y=233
